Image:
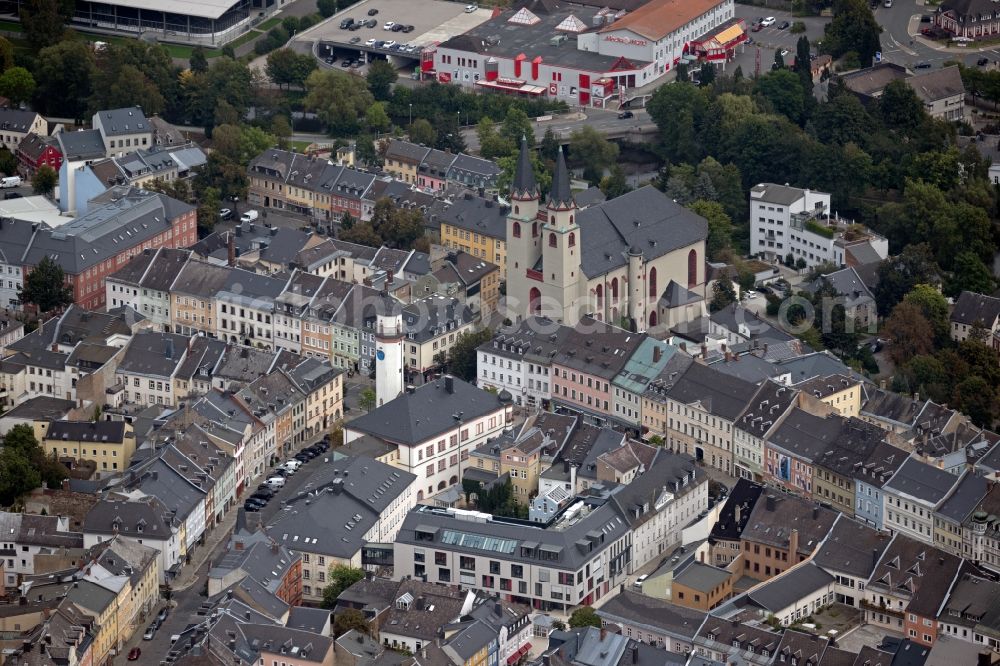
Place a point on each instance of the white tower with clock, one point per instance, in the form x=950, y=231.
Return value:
x=388, y=356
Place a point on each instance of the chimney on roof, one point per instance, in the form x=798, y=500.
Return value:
x=656, y=354
x=604, y=633
x=704, y=350
x=449, y=383
x=770, y=503
x=793, y=547
x=169, y=351
x=736, y=515
x=231, y=249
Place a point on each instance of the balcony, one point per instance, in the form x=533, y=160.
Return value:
x=878, y=608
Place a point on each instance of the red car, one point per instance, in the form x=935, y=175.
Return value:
x=133, y=654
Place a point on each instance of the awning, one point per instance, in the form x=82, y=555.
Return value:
x=729, y=34
x=513, y=658
x=524, y=649
x=523, y=88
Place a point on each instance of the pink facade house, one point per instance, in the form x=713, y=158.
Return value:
x=432, y=173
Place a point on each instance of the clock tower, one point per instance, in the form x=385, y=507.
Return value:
x=388, y=354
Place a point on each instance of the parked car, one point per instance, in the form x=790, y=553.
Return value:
x=252, y=506
x=292, y=465
x=370, y=42
x=12, y=195
x=345, y=63
x=389, y=44
x=225, y=214
x=982, y=62
x=265, y=492
x=923, y=64
x=625, y=114
x=639, y=581
x=149, y=633
x=407, y=28
x=161, y=617
x=388, y=25
x=925, y=18
x=756, y=27
x=346, y=23
x=768, y=22
x=471, y=8
x=276, y=481
x=134, y=653
x=249, y=216
x=785, y=25
x=371, y=23
x=372, y=12
x=784, y=52
x=355, y=40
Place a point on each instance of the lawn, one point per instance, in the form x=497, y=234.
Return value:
x=269, y=23
x=299, y=146
x=10, y=26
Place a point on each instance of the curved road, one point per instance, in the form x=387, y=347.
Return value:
x=901, y=43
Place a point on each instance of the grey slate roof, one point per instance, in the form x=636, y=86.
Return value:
x=675, y=296
x=652, y=614
x=154, y=354
x=812, y=521
x=921, y=481
x=717, y=393
x=783, y=591
x=91, y=596
x=430, y=317
x=966, y=496
x=645, y=218
x=476, y=165
x=589, y=197
x=482, y=216
x=337, y=505
x=936, y=84
x=128, y=120
x=126, y=517
x=776, y=194
x=308, y=619
x=82, y=145
x=972, y=307
x=851, y=548
x=604, y=521
x=702, y=577
x=847, y=283
x=428, y=411
x=16, y=120
x=87, y=431
x=406, y=151
x=470, y=640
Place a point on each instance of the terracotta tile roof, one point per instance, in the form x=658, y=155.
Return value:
x=658, y=18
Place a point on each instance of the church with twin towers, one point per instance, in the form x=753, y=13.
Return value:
x=636, y=261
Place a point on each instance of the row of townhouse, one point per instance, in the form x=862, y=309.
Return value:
x=578, y=556
x=433, y=170
x=316, y=316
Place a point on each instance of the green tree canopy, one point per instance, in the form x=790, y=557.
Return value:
x=44, y=180
x=585, y=617
x=17, y=84
x=720, y=227
x=45, y=286
x=462, y=355
x=349, y=619
x=381, y=77
x=64, y=74
x=288, y=68
x=44, y=21
x=341, y=577
x=198, y=60
x=587, y=146
x=422, y=132
x=339, y=100
x=853, y=30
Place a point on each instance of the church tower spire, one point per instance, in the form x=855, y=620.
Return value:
x=524, y=187
x=561, y=196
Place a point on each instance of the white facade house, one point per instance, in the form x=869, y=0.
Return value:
x=911, y=496
x=435, y=427
x=779, y=217
x=519, y=361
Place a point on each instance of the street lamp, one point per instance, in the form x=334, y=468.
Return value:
x=458, y=119
x=411, y=113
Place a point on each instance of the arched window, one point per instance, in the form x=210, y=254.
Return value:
x=652, y=319
x=652, y=282
x=534, y=229
x=535, y=301
x=571, y=219
x=572, y=239
x=420, y=495
x=600, y=296
x=517, y=230
x=614, y=290
x=552, y=240
x=517, y=210
x=692, y=268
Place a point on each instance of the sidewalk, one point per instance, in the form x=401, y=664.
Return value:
x=189, y=573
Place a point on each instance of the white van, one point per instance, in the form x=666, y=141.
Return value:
x=249, y=216
x=276, y=482
x=638, y=581
x=292, y=465
x=11, y=181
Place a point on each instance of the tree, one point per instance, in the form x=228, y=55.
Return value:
x=779, y=61
x=970, y=274
x=909, y=333
x=803, y=63
x=45, y=286
x=491, y=144
x=63, y=74
x=361, y=234
x=683, y=76
x=327, y=8
x=588, y=146
x=549, y=147
x=723, y=294
x=376, y=117
x=783, y=89
x=977, y=398
x=17, y=476
x=208, y=211
x=614, y=184
x=44, y=22
x=8, y=163
x=462, y=356
x=349, y=619
x=198, y=61
x=281, y=129
x=44, y=180
x=853, y=30
x=341, y=577
x=897, y=276
x=516, y=124
x=720, y=227
x=706, y=75
x=366, y=399
x=422, y=132
x=286, y=67
x=338, y=99
x=934, y=307
x=20, y=440
x=381, y=77
x=585, y=617
x=6, y=54
x=900, y=107
x=17, y=85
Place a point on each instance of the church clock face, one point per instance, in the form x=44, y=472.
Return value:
x=380, y=355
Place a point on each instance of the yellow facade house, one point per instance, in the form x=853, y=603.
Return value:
x=110, y=444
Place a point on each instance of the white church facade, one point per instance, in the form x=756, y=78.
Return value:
x=623, y=261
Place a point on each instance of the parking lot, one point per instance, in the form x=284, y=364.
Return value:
x=772, y=38
x=432, y=21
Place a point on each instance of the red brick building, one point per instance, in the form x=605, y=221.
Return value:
x=34, y=151
x=120, y=224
